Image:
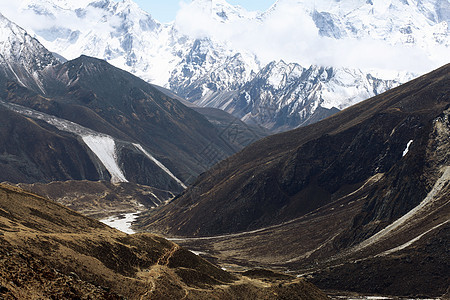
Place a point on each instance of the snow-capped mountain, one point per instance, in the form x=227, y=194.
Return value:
x=207, y=57
x=22, y=57
x=125, y=36
x=419, y=22
x=94, y=121
x=284, y=96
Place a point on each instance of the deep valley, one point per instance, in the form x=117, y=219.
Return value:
x=229, y=154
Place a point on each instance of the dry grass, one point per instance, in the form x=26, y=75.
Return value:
x=48, y=251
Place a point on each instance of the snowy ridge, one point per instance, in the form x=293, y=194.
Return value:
x=159, y=164
x=22, y=56
x=102, y=145
x=284, y=96
x=205, y=58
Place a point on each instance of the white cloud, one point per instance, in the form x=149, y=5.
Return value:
x=54, y=17
x=9, y=8
x=287, y=33
x=291, y=34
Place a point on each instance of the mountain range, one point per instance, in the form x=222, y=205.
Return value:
x=229, y=73
x=82, y=132
x=363, y=192
x=87, y=120
x=355, y=200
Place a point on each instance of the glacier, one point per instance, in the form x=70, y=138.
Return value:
x=102, y=145
x=104, y=148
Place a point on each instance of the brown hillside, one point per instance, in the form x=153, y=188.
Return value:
x=48, y=251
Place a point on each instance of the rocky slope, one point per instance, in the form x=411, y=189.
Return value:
x=22, y=57
x=120, y=127
x=28, y=146
x=219, y=71
x=274, y=179
x=49, y=251
x=367, y=186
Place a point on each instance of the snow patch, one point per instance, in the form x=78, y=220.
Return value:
x=159, y=164
x=122, y=222
x=102, y=145
x=198, y=253
x=104, y=148
x=407, y=148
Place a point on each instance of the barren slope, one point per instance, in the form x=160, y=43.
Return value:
x=360, y=200
x=50, y=251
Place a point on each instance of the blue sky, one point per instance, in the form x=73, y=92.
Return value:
x=166, y=10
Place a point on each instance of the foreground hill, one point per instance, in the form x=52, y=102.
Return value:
x=369, y=185
x=49, y=251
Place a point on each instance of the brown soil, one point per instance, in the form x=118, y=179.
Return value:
x=50, y=252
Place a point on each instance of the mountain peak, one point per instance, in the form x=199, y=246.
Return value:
x=16, y=45
x=22, y=57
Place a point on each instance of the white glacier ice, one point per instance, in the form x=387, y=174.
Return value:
x=104, y=148
x=159, y=164
x=102, y=145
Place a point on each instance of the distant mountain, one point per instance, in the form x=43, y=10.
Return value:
x=423, y=23
x=48, y=251
x=22, y=57
x=115, y=126
x=211, y=71
x=284, y=96
x=369, y=185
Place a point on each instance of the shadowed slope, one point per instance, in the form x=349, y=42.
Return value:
x=360, y=201
x=291, y=174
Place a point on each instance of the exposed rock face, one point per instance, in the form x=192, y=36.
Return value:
x=405, y=187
